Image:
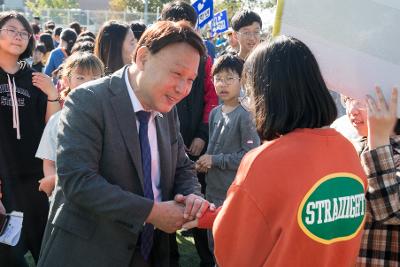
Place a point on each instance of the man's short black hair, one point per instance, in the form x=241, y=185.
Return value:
x=41, y=48
x=76, y=27
x=49, y=25
x=244, y=18
x=138, y=29
x=35, y=28
x=288, y=90
x=179, y=10
x=228, y=62
x=57, y=31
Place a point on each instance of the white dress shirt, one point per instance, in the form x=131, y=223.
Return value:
x=152, y=134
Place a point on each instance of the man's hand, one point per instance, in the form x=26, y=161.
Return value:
x=167, y=216
x=196, y=147
x=195, y=205
x=47, y=184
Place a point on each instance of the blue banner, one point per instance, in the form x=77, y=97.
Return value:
x=205, y=11
x=220, y=23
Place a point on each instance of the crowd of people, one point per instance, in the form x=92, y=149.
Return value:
x=112, y=141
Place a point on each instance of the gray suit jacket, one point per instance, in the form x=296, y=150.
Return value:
x=101, y=208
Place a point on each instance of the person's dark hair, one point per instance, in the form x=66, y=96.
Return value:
x=69, y=36
x=244, y=18
x=6, y=16
x=85, y=39
x=81, y=62
x=397, y=127
x=57, y=31
x=35, y=28
x=50, y=25
x=41, y=48
x=108, y=46
x=138, y=29
x=47, y=40
x=179, y=10
x=228, y=62
x=86, y=46
x=164, y=33
x=87, y=33
x=287, y=87
x=76, y=27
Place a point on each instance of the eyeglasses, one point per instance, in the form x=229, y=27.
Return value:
x=13, y=33
x=227, y=80
x=250, y=34
x=353, y=103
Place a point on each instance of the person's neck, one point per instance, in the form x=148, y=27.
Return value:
x=9, y=63
x=63, y=44
x=243, y=54
x=228, y=106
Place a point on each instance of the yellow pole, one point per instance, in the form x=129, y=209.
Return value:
x=278, y=18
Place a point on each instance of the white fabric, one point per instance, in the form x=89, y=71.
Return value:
x=14, y=101
x=152, y=134
x=344, y=126
x=355, y=42
x=48, y=143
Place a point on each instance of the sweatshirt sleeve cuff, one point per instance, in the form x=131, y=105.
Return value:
x=216, y=160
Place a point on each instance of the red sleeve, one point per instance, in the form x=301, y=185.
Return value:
x=207, y=220
x=210, y=96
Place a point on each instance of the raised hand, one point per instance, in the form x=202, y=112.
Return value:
x=381, y=119
x=44, y=83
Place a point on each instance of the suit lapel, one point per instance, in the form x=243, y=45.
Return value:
x=125, y=116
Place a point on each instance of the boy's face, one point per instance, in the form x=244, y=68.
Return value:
x=37, y=56
x=249, y=36
x=227, y=86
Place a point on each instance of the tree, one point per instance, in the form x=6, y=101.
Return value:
x=38, y=5
x=137, y=5
x=232, y=6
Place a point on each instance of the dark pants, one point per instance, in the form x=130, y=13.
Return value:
x=21, y=194
x=200, y=235
x=159, y=256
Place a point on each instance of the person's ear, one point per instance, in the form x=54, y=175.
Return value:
x=142, y=56
x=235, y=35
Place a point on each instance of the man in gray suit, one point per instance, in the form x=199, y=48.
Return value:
x=121, y=159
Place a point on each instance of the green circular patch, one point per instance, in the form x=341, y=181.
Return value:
x=333, y=209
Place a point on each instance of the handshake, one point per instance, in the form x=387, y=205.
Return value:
x=170, y=216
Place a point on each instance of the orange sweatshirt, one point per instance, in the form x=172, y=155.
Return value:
x=296, y=201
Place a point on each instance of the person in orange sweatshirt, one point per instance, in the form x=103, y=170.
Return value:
x=298, y=199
